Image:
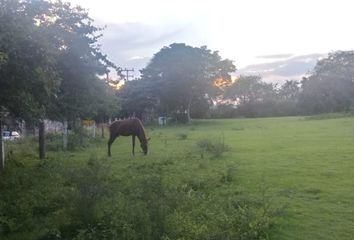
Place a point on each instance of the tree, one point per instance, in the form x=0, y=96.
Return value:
x=179, y=74
x=330, y=87
x=252, y=96
x=136, y=98
x=27, y=67
x=79, y=62
x=289, y=91
x=27, y=73
x=50, y=62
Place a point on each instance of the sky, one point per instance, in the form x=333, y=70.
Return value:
x=279, y=39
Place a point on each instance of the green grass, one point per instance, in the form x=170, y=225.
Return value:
x=307, y=165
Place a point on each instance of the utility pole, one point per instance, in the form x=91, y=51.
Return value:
x=127, y=75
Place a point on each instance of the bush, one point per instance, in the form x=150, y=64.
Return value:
x=215, y=147
x=229, y=175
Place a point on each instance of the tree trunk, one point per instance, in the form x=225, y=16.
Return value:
x=102, y=129
x=65, y=135
x=2, y=149
x=41, y=138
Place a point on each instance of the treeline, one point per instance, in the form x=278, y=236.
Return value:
x=329, y=88
x=51, y=63
x=181, y=85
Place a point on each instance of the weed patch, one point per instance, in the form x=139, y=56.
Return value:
x=215, y=148
x=182, y=136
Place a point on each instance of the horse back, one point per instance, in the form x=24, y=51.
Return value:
x=126, y=127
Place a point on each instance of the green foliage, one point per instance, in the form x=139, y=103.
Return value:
x=330, y=87
x=27, y=73
x=222, y=110
x=54, y=141
x=81, y=93
x=143, y=100
x=178, y=79
x=254, y=97
x=3, y=58
x=50, y=61
x=215, y=147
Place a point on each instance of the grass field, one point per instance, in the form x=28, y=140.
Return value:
x=306, y=166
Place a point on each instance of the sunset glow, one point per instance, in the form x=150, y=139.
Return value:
x=220, y=82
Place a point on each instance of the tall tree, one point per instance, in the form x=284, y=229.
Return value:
x=79, y=62
x=290, y=90
x=180, y=74
x=50, y=61
x=288, y=98
x=27, y=68
x=137, y=97
x=330, y=87
x=27, y=73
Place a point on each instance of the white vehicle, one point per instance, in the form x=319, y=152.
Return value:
x=13, y=135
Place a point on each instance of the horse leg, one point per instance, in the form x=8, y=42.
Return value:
x=110, y=141
x=133, y=140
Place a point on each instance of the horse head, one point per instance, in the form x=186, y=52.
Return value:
x=144, y=145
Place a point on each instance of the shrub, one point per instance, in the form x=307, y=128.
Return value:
x=215, y=147
x=229, y=175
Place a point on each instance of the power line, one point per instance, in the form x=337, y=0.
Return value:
x=127, y=75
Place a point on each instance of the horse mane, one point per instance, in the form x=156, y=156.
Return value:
x=141, y=129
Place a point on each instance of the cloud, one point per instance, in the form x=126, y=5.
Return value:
x=276, y=56
x=131, y=45
x=293, y=68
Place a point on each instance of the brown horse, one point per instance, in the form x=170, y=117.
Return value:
x=129, y=127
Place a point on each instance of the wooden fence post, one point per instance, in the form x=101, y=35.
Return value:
x=41, y=139
x=2, y=149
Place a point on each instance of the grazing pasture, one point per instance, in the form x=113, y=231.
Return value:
x=300, y=168
x=306, y=163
